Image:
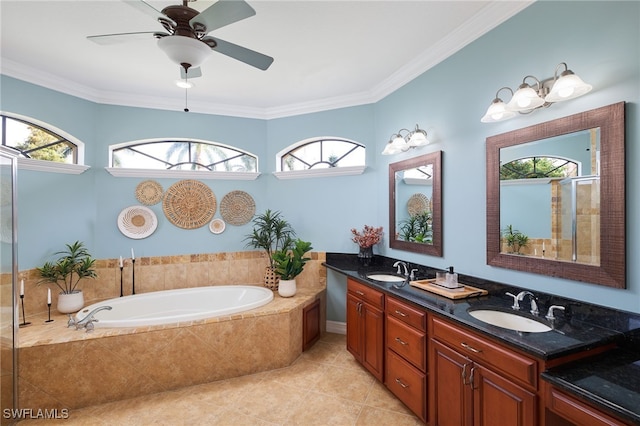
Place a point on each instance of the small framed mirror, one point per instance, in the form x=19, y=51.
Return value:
x=415, y=204
x=555, y=198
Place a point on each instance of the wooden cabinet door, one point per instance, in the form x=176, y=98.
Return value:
x=354, y=327
x=373, y=341
x=449, y=387
x=498, y=401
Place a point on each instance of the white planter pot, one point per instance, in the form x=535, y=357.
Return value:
x=287, y=288
x=70, y=302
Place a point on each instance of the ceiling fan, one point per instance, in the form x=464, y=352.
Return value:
x=186, y=40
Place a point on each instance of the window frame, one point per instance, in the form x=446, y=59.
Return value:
x=44, y=165
x=184, y=174
x=326, y=172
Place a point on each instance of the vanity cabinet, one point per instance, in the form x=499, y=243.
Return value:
x=474, y=381
x=365, y=326
x=406, y=355
x=567, y=410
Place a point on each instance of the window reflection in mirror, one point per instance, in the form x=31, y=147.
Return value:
x=415, y=215
x=550, y=198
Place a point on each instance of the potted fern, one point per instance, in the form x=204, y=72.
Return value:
x=288, y=263
x=271, y=232
x=73, y=265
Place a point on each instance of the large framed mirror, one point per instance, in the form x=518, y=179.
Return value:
x=556, y=198
x=415, y=204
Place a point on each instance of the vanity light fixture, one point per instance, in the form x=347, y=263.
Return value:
x=528, y=98
x=405, y=139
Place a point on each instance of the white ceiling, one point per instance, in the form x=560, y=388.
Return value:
x=328, y=54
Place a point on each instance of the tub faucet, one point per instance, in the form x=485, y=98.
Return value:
x=520, y=297
x=88, y=320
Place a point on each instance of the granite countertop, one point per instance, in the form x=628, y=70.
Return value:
x=610, y=381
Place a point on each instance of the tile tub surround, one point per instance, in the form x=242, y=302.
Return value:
x=65, y=368
x=167, y=273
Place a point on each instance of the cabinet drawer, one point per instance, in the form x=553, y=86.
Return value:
x=577, y=411
x=366, y=293
x=407, y=383
x=407, y=314
x=491, y=354
x=407, y=342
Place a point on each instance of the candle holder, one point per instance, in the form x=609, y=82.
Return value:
x=133, y=276
x=121, y=293
x=24, y=322
x=49, y=309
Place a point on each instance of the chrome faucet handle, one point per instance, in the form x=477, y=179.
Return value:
x=552, y=308
x=516, y=301
x=412, y=277
x=71, y=322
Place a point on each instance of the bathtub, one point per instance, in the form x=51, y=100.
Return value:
x=175, y=306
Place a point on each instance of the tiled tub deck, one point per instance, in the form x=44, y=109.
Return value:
x=65, y=368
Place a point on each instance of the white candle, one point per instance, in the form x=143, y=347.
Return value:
x=133, y=256
x=48, y=296
x=543, y=246
x=21, y=287
x=121, y=261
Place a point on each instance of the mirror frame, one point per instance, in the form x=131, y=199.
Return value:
x=612, y=270
x=434, y=249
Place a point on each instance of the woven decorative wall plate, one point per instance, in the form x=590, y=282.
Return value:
x=237, y=207
x=189, y=204
x=418, y=203
x=149, y=192
x=137, y=222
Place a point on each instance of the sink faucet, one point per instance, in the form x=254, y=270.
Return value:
x=520, y=297
x=407, y=276
x=88, y=320
x=550, y=315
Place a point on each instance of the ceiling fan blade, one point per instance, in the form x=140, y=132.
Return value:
x=222, y=13
x=147, y=9
x=193, y=73
x=106, y=39
x=242, y=54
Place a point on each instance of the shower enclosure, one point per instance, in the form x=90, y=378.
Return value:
x=8, y=279
x=578, y=233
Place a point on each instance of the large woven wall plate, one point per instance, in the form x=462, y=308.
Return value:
x=137, y=222
x=237, y=207
x=149, y=192
x=189, y=204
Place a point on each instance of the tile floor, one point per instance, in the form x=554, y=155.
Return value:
x=325, y=386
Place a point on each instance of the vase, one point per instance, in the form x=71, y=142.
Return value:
x=271, y=279
x=365, y=255
x=70, y=302
x=287, y=288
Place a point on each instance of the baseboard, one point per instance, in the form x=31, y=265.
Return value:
x=336, y=327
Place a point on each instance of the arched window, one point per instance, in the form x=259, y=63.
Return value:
x=538, y=167
x=331, y=154
x=182, y=155
x=41, y=146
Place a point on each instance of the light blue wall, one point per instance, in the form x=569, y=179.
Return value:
x=599, y=41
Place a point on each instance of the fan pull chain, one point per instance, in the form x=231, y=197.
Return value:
x=186, y=89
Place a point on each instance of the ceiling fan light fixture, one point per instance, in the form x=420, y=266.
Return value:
x=184, y=50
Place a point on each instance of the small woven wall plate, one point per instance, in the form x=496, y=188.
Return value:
x=149, y=192
x=189, y=204
x=237, y=208
x=418, y=203
x=217, y=226
x=137, y=222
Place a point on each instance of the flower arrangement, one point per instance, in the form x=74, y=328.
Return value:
x=369, y=236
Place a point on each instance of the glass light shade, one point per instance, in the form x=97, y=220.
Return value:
x=525, y=99
x=418, y=138
x=568, y=86
x=184, y=84
x=184, y=50
x=389, y=149
x=497, y=111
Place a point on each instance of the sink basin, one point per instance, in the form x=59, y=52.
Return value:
x=389, y=278
x=509, y=320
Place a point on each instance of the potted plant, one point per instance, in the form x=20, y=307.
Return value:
x=271, y=232
x=288, y=263
x=366, y=239
x=74, y=264
x=515, y=239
